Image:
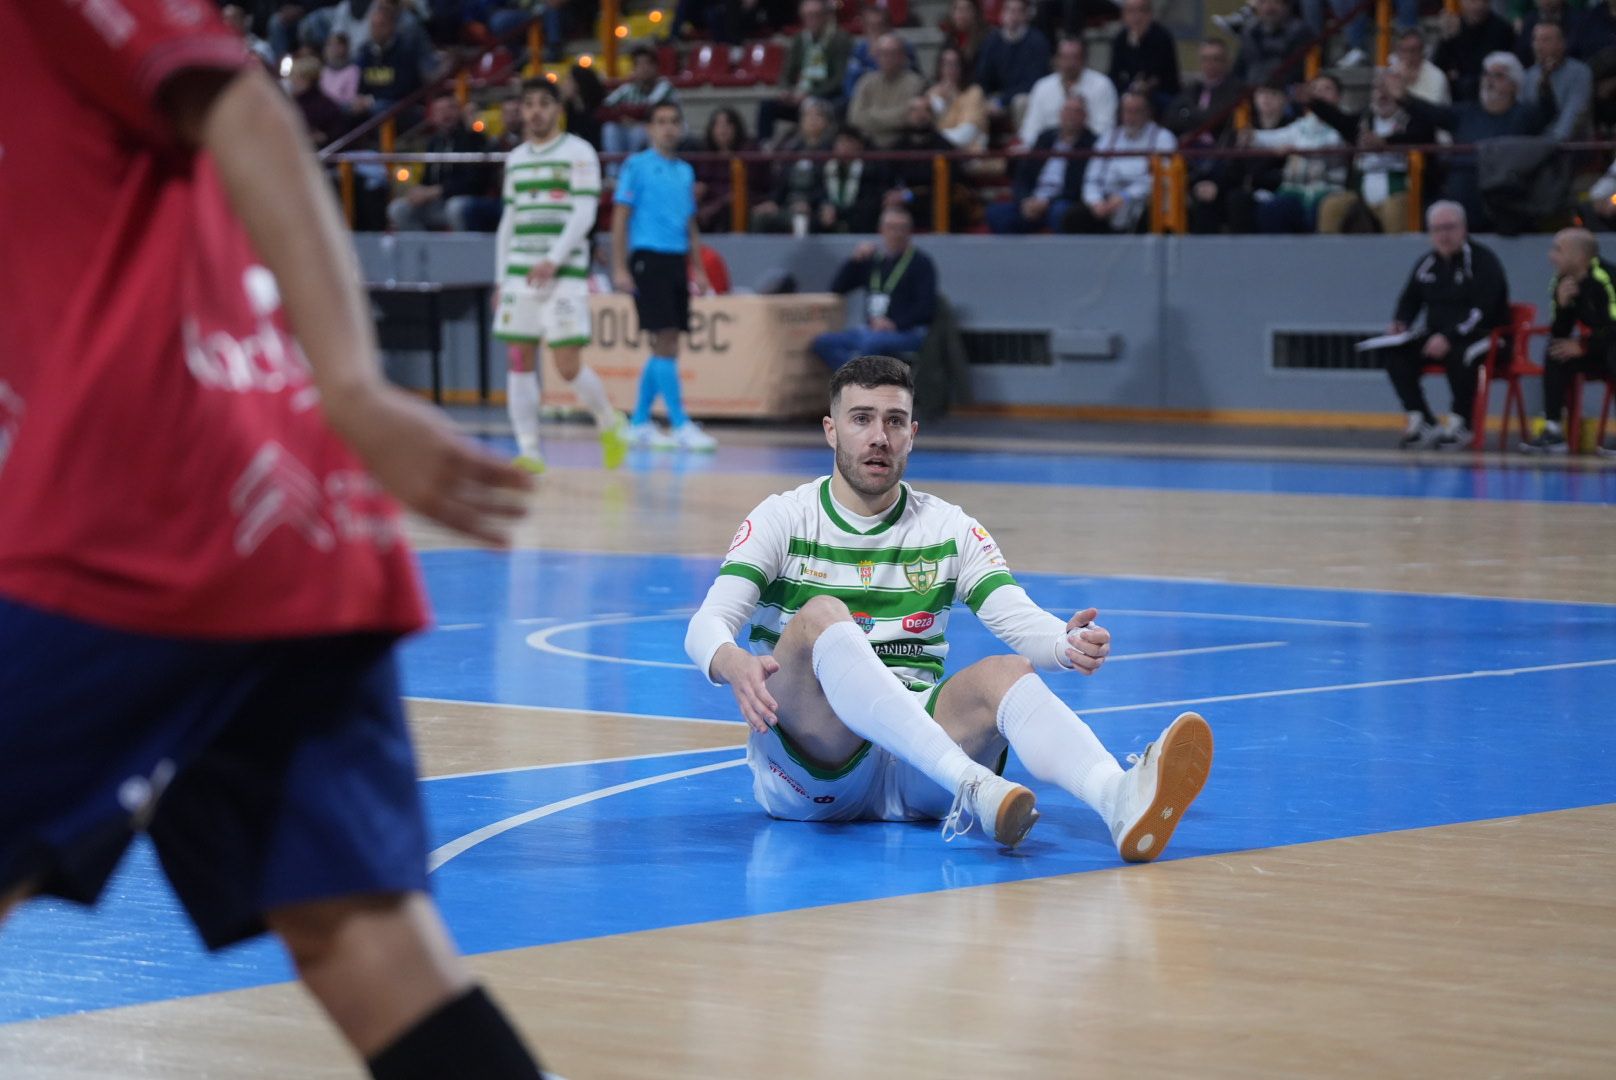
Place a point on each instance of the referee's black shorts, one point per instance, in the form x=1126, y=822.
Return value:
x=661, y=290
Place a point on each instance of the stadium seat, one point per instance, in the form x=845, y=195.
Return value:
x=737, y=70
x=494, y=67
x=667, y=61
x=703, y=64
x=1509, y=358
x=764, y=60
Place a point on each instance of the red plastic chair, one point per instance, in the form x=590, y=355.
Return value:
x=737, y=71
x=703, y=64
x=764, y=61
x=1511, y=367
x=1574, y=411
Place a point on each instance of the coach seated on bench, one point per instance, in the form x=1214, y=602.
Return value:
x=900, y=284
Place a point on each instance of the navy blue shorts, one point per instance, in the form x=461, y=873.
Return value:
x=266, y=773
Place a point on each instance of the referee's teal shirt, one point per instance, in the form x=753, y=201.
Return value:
x=662, y=192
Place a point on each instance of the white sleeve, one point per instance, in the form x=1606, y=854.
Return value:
x=1027, y=628
x=756, y=556
x=584, y=185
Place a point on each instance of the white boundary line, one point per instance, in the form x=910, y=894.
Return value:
x=1495, y=673
x=580, y=712
x=587, y=761
x=462, y=844
x=1220, y=616
x=1202, y=651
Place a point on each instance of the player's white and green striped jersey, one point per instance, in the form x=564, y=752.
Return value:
x=547, y=188
x=898, y=573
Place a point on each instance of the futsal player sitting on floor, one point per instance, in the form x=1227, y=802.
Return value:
x=847, y=582
x=552, y=185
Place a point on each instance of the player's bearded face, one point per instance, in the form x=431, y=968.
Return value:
x=873, y=439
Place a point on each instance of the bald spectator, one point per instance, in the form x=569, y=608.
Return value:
x=877, y=23
x=1571, y=80
x=1274, y=35
x=1467, y=39
x=1046, y=188
x=1460, y=289
x=1072, y=77
x=1499, y=112
x=1421, y=78
x=815, y=64
x=1013, y=57
x=1144, y=55
x=1581, y=294
x=1117, y=190
x=881, y=99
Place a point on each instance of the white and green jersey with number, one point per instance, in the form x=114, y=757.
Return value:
x=551, y=194
x=898, y=573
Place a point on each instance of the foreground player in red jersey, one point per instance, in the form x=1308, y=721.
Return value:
x=200, y=582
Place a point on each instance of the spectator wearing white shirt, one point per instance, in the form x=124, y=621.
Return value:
x=1423, y=78
x=1117, y=190
x=1071, y=76
x=1306, y=179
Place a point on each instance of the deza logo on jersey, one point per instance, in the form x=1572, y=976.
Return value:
x=919, y=622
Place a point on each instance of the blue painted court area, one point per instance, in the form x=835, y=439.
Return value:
x=1336, y=714
x=1495, y=477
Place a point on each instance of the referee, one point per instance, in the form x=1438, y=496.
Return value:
x=655, y=252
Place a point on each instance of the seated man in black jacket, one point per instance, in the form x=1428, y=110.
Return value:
x=458, y=197
x=1583, y=295
x=1460, y=286
x=900, y=284
x=1046, y=187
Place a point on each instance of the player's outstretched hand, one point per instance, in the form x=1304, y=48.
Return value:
x=746, y=674
x=1087, y=642
x=414, y=452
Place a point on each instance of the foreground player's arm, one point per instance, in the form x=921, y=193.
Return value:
x=507, y=229
x=276, y=189
x=697, y=267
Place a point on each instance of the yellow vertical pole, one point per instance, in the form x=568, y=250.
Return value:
x=1180, y=204
x=1313, y=63
x=389, y=138
x=1383, y=32
x=535, y=50
x=462, y=90
x=345, y=179
x=739, y=190
x=941, y=194
x=609, y=14
x=1158, y=219
x=1416, y=190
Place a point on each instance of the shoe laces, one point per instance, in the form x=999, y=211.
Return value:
x=1141, y=757
x=960, y=816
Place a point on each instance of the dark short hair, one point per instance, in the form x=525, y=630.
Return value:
x=870, y=372
x=541, y=85
x=678, y=110
x=643, y=50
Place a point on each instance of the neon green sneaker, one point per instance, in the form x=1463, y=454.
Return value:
x=614, y=443
x=529, y=463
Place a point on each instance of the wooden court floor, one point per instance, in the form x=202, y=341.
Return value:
x=1478, y=948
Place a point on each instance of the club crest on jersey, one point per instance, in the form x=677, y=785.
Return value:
x=866, y=571
x=865, y=620
x=922, y=574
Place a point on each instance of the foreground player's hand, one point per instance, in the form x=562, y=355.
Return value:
x=622, y=280
x=414, y=452
x=1087, y=642
x=746, y=675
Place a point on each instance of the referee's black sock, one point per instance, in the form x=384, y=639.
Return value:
x=467, y=1038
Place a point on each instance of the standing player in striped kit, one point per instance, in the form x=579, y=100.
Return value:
x=847, y=582
x=552, y=190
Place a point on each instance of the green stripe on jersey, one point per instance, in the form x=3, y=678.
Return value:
x=853, y=556
x=565, y=271
x=541, y=185
x=841, y=523
x=744, y=570
x=541, y=229
x=987, y=587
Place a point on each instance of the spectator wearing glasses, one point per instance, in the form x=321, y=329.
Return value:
x=1460, y=288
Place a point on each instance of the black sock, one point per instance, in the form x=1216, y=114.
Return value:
x=465, y=1039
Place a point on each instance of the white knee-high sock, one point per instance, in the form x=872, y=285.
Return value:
x=1056, y=745
x=877, y=707
x=522, y=402
x=592, y=392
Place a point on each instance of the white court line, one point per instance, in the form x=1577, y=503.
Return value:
x=580, y=712
x=1496, y=673
x=540, y=640
x=587, y=761
x=1231, y=618
x=462, y=844
x=461, y=626
x=1203, y=650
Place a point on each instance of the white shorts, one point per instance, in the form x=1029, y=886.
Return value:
x=558, y=314
x=873, y=786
